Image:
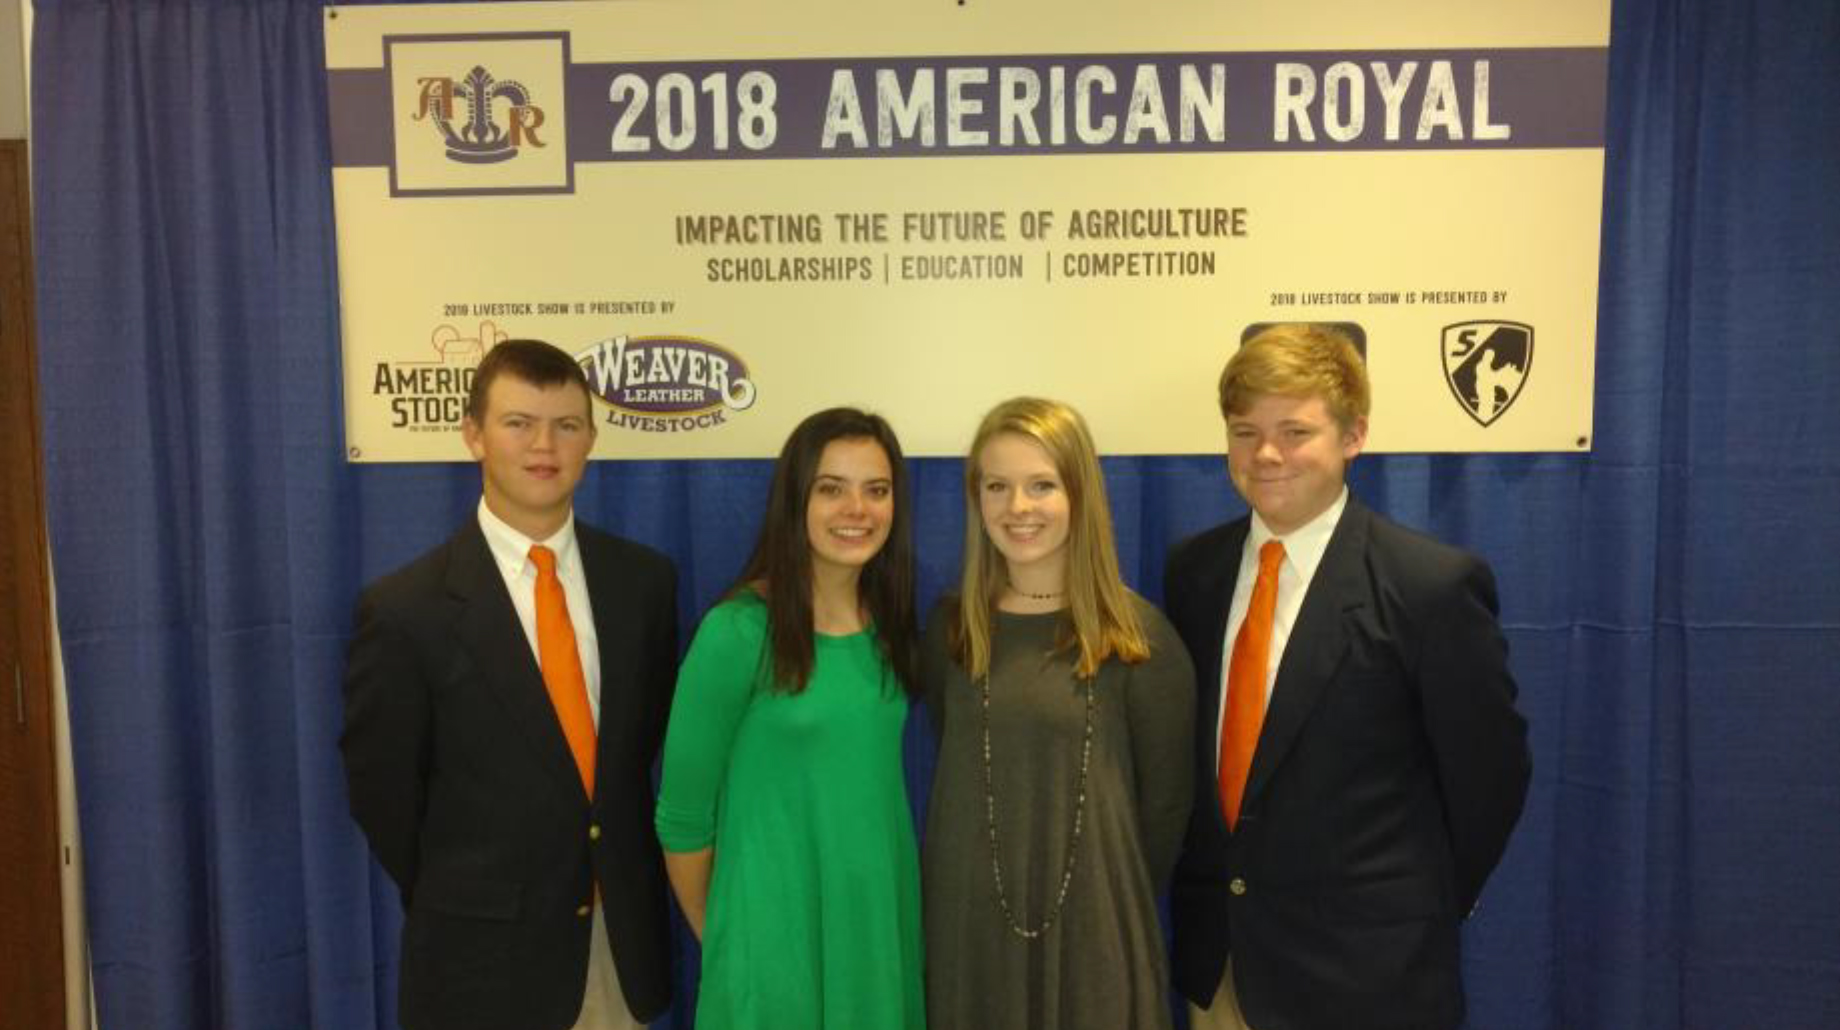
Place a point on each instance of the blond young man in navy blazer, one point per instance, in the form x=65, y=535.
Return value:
x=1390, y=765
x=529, y=905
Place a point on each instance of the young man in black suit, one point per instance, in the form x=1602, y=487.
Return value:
x=505, y=696
x=1359, y=758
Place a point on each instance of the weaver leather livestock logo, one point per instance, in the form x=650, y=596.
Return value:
x=480, y=137
x=667, y=384
x=1486, y=365
x=479, y=114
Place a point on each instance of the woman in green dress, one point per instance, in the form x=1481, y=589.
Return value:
x=1065, y=705
x=783, y=811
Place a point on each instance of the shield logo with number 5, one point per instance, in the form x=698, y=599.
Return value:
x=1486, y=365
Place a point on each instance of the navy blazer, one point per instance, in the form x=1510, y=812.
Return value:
x=460, y=776
x=1390, y=770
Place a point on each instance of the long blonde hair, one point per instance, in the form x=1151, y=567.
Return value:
x=1101, y=619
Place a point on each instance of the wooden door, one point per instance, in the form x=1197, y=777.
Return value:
x=31, y=927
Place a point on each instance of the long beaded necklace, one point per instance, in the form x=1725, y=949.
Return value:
x=1073, y=839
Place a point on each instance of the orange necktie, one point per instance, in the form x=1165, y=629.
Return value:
x=1246, y=683
x=561, y=662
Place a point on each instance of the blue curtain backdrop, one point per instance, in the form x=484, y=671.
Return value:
x=1671, y=597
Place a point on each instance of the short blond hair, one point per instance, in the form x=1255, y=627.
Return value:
x=1298, y=359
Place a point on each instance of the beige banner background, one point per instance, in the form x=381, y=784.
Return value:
x=1403, y=242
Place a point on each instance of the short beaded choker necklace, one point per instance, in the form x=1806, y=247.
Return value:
x=1073, y=839
x=1055, y=596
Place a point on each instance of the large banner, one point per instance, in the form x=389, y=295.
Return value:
x=739, y=213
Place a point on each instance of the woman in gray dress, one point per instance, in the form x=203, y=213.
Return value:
x=1064, y=705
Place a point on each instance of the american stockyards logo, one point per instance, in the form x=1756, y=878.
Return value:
x=479, y=136
x=667, y=384
x=430, y=395
x=1486, y=365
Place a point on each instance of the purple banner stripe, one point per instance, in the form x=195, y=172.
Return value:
x=358, y=104
x=1535, y=99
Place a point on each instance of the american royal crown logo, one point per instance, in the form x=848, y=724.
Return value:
x=479, y=138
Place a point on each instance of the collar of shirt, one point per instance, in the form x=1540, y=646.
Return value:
x=1303, y=552
x=511, y=549
x=1304, y=546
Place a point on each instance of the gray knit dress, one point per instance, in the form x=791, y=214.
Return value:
x=1101, y=965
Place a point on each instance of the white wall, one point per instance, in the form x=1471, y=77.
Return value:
x=13, y=19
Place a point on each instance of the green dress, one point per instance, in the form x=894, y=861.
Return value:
x=814, y=903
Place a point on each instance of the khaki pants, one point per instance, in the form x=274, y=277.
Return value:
x=603, y=1006
x=1224, y=1013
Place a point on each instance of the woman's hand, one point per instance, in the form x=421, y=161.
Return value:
x=689, y=872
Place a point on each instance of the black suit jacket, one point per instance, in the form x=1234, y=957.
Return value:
x=461, y=778
x=1389, y=772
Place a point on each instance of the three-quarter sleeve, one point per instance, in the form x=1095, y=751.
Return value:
x=1161, y=707
x=714, y=688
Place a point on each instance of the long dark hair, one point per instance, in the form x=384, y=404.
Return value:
x=780, y=567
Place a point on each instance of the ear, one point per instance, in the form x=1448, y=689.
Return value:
x=470, y=432
x=1354, y=438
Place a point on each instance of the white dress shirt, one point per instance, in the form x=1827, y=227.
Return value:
x=1303, y=552
x=511, y=549
x=603, y=1003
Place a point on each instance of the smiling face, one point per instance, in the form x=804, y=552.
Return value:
x=1289, y=458
x=851, y=505
x=532, y=445
x=1024, y=507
